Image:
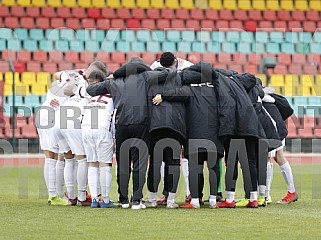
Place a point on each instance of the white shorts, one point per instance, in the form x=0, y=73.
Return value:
x=98, y=144
x=273, y=152
x=57, y=139
x=73, y=137
x=44, y=138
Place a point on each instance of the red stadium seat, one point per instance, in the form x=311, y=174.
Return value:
x=81, y=65
x=207, y=24
x=255, y=15
x=224, y=58
x=298, y=15
x=118, y=57
x=178, y=54
x=284, y=16
x=162, y=24
x=4, y=11
x=88, y=23
x=48, y=12
x=103, y=56
x=236, y=25
x=6, y=55
x=57, y=22
x=29, y=132
x=306, y=132
x=33, y=12
x=148, y=57
x=113, y=66
x=40, y=56
x=220, y=65
x=17, y=11
x=78, y=12
x=133, y=23
x=103, y=24
x=149, y=24
x=178, y=24
x=194, y=57
x=182, y=14
x=42, y=23
x=240, y=58
x=27, y=22
x=72, y=23
x=4, y=66
x=298, y=58
x=55, y=56
x=123, y=13
x=193, y=24
x=240, y=15
x=65, y=66
x=295, y=69
x=250, y=26
x=72, y=57
x=87, y=57
x=153, y=13
x=11, y=22
x=312, y=16
x=20, y=67
x=284, y=59
x=138, y=13
x=197, y=14
x=319, y=24
x=108, y=13
x=117, y=23
x=309, y=26
x=63, y=12
x=255, y=58
x=211, y=14
x=280, y=26
x=226, y=15
x=33, y=67
x=250, y=68
x=222, y=25
x=1, y=23
x=292, y=25
x=310, y=69
x=209, y=58
x=168, y=14
x=130, y=55
x=269, y=15
x=24, y=56
x=95, y=13
x=235, y=67
x=313, y=58
x=266, y=26
x=280, y=69
x=8, y=132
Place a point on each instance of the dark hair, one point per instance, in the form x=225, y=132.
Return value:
x=100, y=66
x=167, y=59
x=97, y=75
x=136, y=60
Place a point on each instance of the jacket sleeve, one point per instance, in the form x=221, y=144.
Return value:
x=180, y=94
x=158, y=76
x=99, y=88
x=199, y=73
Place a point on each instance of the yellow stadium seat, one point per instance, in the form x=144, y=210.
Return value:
x=143, y=4
x=289, y=91
x=279, y=90
x=9, y=3
x=113, y=3
x=187, y=4
x=24, y=3
x=301, y=5
x=69, y=3
x=272, y=5
x=307, y=80
x=43, y=77
x=315, y=5
x=216, y=4
x=22, y=89
x=99, y=3
x=201, y=4
x=84, y=3
x=173, y=4
x=287, y=5
x=317, y=80
x=277, y=80
x=259, y=5
x=230, y=4
x=245, y=5
x=157, y=3
x=8, y=77
x=263, y=78
x=39, y=89
x=38, y=3
x=1, y=77
x=305, y=91
x=291, y=80
x=7, y=91
x=128, y=4
x=54, y=3
x=28, y=77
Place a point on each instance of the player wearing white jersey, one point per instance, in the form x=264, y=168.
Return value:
x=180, y=64
x=97, y=134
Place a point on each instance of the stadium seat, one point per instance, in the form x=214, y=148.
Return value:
x=159, y=4
x=103, y=56
x=162, y=24
x=305, y=37
x=33, y=67
x=38, y=3
x=241, y=15
x=24, y=56
x=207, y=25
x=197, y=14
x=72, y=23
x=128, y=3
x=287, y=5
x=123, y=13
x=62, y=45
x=103, y=24
x=250, y=26
x=298, y=16
x=167, y=14
x=229, y=47
x=4, y=11
x=27, y=22
x=43, y=77
x=36, y=34
x=63, y=12
x=98, y=4
x=169, y=47
x=11, y=22
x=95, y=13
x=244, y=47
x=113, y=4
x=312, y=15
x=301, y=5
x=193, y=24
x=272, y=5
x=14, y=45
x=56, y=23
x=309, y=26
x=48, y=12
x=244, y=4
x=294, y=25
x=144, y=4
x=88, y=23
x=153, y=13
x=236, y=25
x=287, y=48
x=187, y=4
x=78, y=12
x=133, y=23
x=52, y=34
x=178, y=24
x=117, y=23
x=123, y=46
x=226, y=15
x=77, y=46
x=17, y=11
x=259, y=5
x=198, y=47
x=138, y=13
x=118, y=57
x=72, y=57
x=28, y=78
x=216, y=4
x=194, y=57
x=69, y=3
x=153, y=47
x=148, y=24
x=230, y=4
x=172, y=4
x=84, y=4
x=292, y=37
x=54, y=3
x=222, y=25
x=42, y=23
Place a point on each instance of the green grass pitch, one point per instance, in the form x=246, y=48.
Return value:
x=25, y=214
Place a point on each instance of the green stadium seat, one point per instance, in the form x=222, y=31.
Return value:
x=261, y=37
x=314, y=101
x=302, y=48
x=173, y=36
x=22, y=34
x=98, y=35
x=218, y=37
x=228, y=47
x=287, y=48
x=169, y=47
x=184, y=47
x=233, y=37
x=46, y=45
x=244, y=47
x=315, y=48
x=3, y=44
x=6, y=33
x=113, y=35
x=30, y=45
x=32, y=101
x=213, y=47
x=158, y=36
x=273, y=47
x=198, y=47
x=153, y=47
x=188, y=36
x=247, y=37
x=258, y=48
x=83, y=35
x=92, y=46
x=317, y=37
x=127, y=35
x=14, y=45
x=143, y=35
x=203, y=36
x=76, y=46
x=123, y=46
x=276, y=37
x=52, y=34
x=62, y=45
x=108, y=46
x=292, y=37
x=67, y=34
x=305, y=37
x=36, y=34
x=138, y=47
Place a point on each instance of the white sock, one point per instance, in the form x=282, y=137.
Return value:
x=105, y=182
x=152, y=196
x=185, y=174
x=98, y=184
x=50, y=176
x=195, y=202
x=230, y=196
x=269, y=178
x=262, y=189
x=171, y=197
x=253, y=196
x=288, y=176
x=75, y=170
x=60, y=181
x=82, y=174
x=69, y=173
x=162, y=170
x=92, y=181
x=212, y=200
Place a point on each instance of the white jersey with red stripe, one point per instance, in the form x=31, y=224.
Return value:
x=99, y=112
x=181, y=64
